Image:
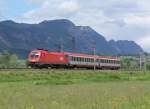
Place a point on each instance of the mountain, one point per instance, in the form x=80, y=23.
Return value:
x=20, y=38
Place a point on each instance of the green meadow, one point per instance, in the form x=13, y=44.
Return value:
x=74, y=89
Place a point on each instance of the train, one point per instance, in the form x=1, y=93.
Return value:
x=40, y=58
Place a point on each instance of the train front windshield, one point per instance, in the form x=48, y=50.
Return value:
x=35, y=55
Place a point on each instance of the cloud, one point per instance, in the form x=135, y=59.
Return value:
x=145, y=42
x=35, y=1
x=52, y=9
x=2, y=9
x=115, y=19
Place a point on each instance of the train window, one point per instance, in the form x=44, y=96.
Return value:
x=81, y=59
x=101, y=61
x=92, y=60
x=109, y=61
x=74, y=59
x=104, y=61
x=71, y=58
x=112, y=61
x=85, y=59
x=77, y=58
x=35, y=55
x=89, y=60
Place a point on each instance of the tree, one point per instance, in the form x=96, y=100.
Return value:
x=8, y=60
x=126, y=63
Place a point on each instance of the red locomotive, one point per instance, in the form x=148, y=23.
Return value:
x=43, y=59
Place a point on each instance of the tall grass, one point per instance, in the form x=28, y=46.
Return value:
x=74, y=89
x=60, y=77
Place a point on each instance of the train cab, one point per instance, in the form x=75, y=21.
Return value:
x=34, y=57
x=43, y=59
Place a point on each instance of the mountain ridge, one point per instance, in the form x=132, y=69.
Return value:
x=50, y=33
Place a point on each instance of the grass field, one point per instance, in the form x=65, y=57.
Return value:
x=69, y=89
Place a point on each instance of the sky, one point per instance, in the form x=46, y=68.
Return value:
x=114, y=19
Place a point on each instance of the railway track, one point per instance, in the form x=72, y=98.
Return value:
x=53, y=69
x=59, y=69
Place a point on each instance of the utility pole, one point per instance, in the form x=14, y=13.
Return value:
x=73, y=41
x=145, y=63
x=94, y=53
x=60, y=45
x=140, y=62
